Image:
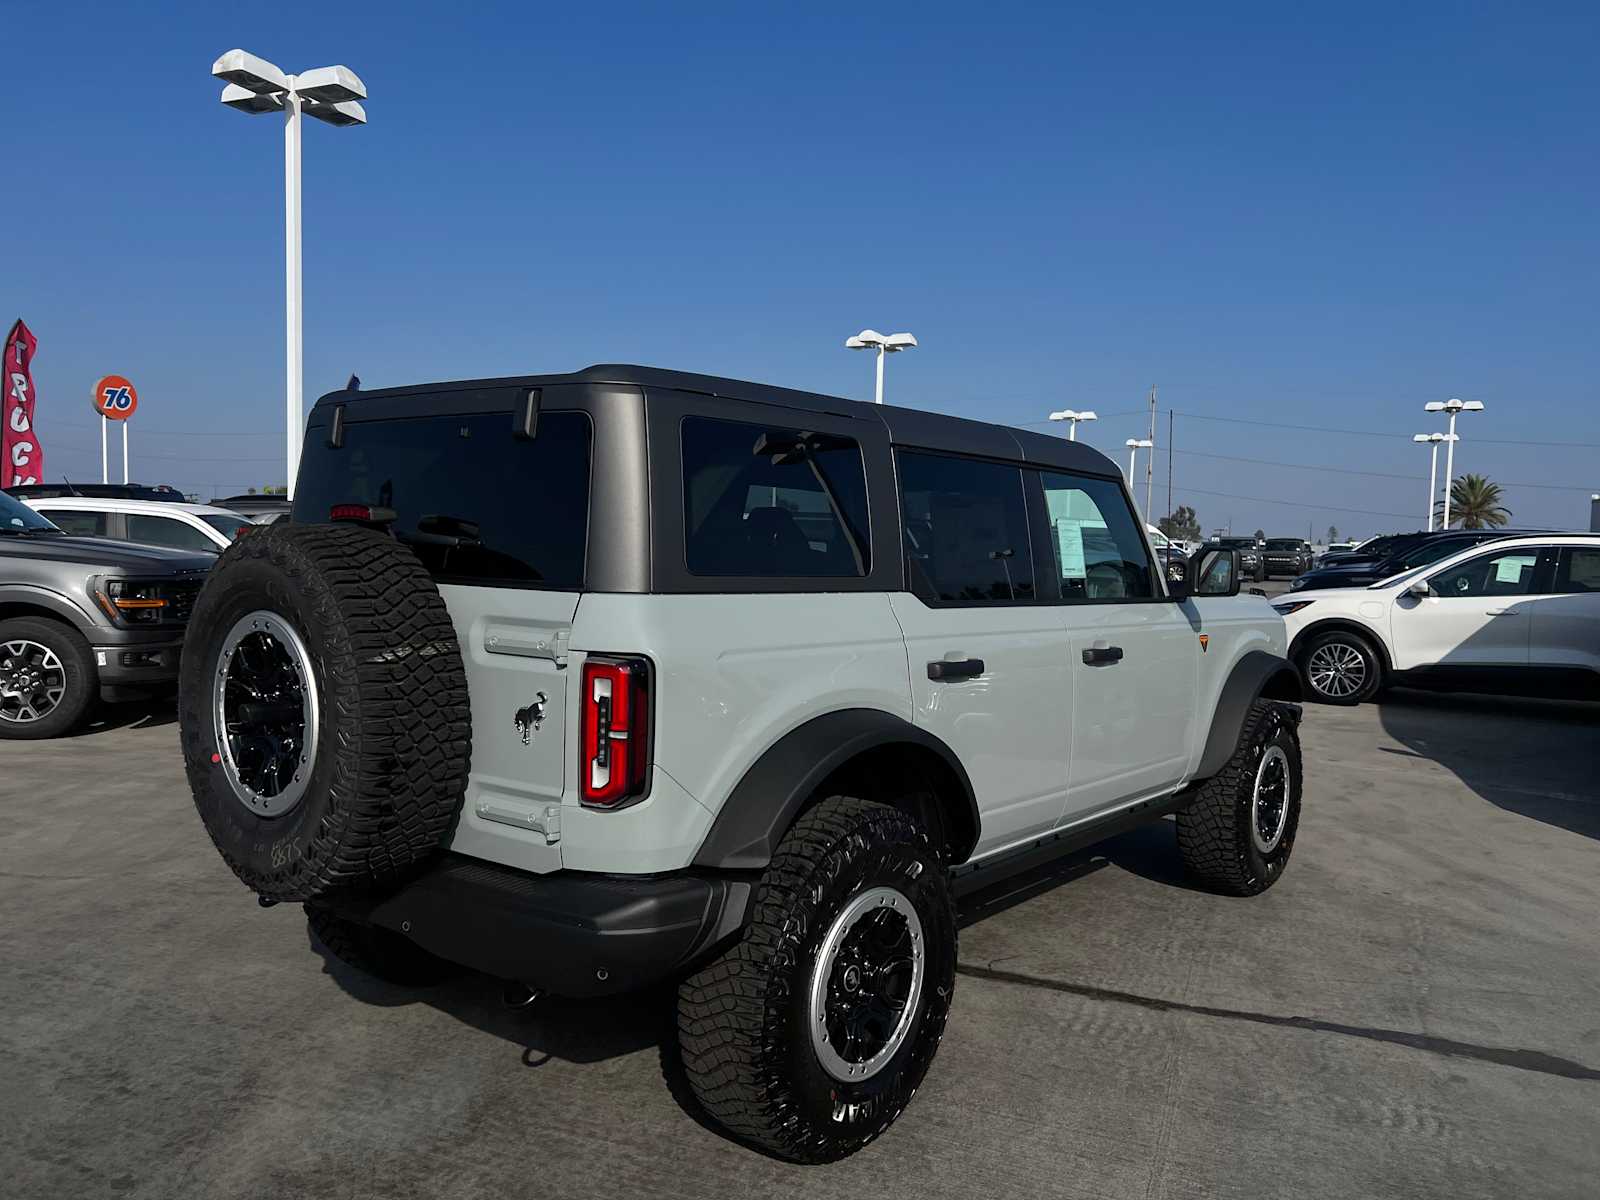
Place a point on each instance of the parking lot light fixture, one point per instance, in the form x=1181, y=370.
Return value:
x=1454, y=407
x=332, y=95
x=871, y=339
x=1433, y=440
x=1135, y=445
x=1067, y=414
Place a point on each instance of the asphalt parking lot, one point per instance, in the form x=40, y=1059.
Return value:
x=1413, y=1011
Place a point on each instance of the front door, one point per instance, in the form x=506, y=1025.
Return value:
x=989, y=669
x=1134, y=654
x=1477, y=613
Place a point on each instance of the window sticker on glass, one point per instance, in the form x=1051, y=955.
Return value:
x=1510, y=568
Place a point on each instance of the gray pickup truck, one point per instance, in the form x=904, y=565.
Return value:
x=84, y=619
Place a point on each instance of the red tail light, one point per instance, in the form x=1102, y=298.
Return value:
x=615, y=747
x=350, y=512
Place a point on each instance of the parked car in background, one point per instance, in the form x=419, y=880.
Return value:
x=1520, y=615
x=263, y=510
x=190, y=527
x=104, y=491
x=1371, y=550
x=1286, y=556
x=1419, y=551
x=84, y=619
x=1251, y=564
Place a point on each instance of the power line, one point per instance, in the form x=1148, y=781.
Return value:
x=1370, y=432
x=1267, y=462
x=1366, y=512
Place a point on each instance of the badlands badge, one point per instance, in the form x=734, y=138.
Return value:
x=1205, y=642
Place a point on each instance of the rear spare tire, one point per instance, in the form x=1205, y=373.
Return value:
x=323, y=703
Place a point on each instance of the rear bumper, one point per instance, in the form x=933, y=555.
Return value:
x=571, y=933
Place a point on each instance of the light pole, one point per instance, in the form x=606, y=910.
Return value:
x=1067, y=414
x=1453, y=407
x=871, y=339
x=1433, y=439
x=329, y=94
x=1135, y=445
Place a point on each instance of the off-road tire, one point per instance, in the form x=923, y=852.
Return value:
x=742, y=1024
x=394, y=740
x=81, y=677
x=1214, y=831
x=1372, y=663
x=381, y=953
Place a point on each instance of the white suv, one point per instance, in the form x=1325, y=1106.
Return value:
x=1513, y=615
x=589, y=681
x=148, y=522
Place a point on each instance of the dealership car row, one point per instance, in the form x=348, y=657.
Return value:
x=1492, y=610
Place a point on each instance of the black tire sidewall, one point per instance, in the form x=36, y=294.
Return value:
x=1356, y=642
x=78, y=666
x=840, y=1117
x=264, y=851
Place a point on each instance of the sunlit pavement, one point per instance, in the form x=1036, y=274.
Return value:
x=1414, y=1010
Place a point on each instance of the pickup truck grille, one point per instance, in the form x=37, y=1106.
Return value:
x=182, y=598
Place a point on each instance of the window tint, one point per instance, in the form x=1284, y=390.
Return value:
x=228, y=527
x=164, y=531
x=1509, y=573
x=91, y=524
x=966, y=530
x=1579, y=570
x=1284, y=544
x=770, y=502
x=1099, y=554
x=476, y=504
x=1430, y=552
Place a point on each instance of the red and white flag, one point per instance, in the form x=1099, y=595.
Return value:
x=21, y=455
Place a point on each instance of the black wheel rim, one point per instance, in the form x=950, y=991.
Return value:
x=1269, y=806
x=266, y=713
x=32, y=681
x=866, y=984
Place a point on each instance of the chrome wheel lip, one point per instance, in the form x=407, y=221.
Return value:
x=871, y=901
x=34, y=677
x=259, y=803
x=1337, y=669
x=1277, y=822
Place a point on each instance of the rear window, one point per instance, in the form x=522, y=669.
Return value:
x=766, y=502
x=478, y=505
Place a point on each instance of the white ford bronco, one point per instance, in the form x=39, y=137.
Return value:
x=599, y=680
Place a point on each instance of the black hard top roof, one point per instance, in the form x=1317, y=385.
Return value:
x=906, y=426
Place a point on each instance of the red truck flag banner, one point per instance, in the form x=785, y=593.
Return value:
x=21, y=456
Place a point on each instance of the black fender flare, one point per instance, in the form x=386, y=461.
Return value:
x=50, y=603
x=766, y=801
x=1255, y=675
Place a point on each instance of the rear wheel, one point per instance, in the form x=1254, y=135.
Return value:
x=48, y=680
x=1340, y=667
x=811, y=1034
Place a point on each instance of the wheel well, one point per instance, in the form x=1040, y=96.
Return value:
x=10, y=610
x=915, y=779
x=1335, y=623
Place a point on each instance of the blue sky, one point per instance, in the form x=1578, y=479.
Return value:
x=1304, y=218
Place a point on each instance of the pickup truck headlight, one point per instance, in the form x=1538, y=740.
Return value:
x=1291, y=606
x=131, y=602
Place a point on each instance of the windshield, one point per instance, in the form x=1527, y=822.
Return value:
x=16, y=517
x=229, y=527
x=1425, y=553
x=1283, y=543
x=1237, y=543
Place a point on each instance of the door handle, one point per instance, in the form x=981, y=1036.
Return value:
x=1503, y=612
x=1102, y=656
x=962, y=669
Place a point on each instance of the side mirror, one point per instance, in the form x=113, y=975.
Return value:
x=1419, y=590
x=1213, y=572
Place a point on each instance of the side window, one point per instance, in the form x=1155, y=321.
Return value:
x=966, y=530
x=1099, y=554
x=164, y=531
x=1508, y=573
x=92, y=524
x=1579, y=570
x=765, y=502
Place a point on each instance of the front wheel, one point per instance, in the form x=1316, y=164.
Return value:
x=811, y=1034
x=1340, y=667
x=48, y=680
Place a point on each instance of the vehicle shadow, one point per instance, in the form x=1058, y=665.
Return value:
x=140, y=714
x=1537, y=758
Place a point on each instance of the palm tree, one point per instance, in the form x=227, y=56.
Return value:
x=1475, y=502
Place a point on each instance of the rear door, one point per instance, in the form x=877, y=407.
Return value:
x=1566, y=623
x=989, y=670
x=1477, y=615
x=501, y=523
x=1133, y=653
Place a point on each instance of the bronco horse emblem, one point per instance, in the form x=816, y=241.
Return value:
x=529, y=719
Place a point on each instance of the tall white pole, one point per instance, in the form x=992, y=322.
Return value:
x=291, y=247
x=1150, y=462
x=1072, y=429
x=1133, y=454
x=1433, y=484
x=124, y=451
x=1449, y=469
x=105, y=469
x=880, y=375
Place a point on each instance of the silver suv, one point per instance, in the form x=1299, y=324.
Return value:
x=590, y=681
x=83, y=619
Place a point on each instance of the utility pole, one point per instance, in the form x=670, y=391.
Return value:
x=1170, y=509
x=1150, y=463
